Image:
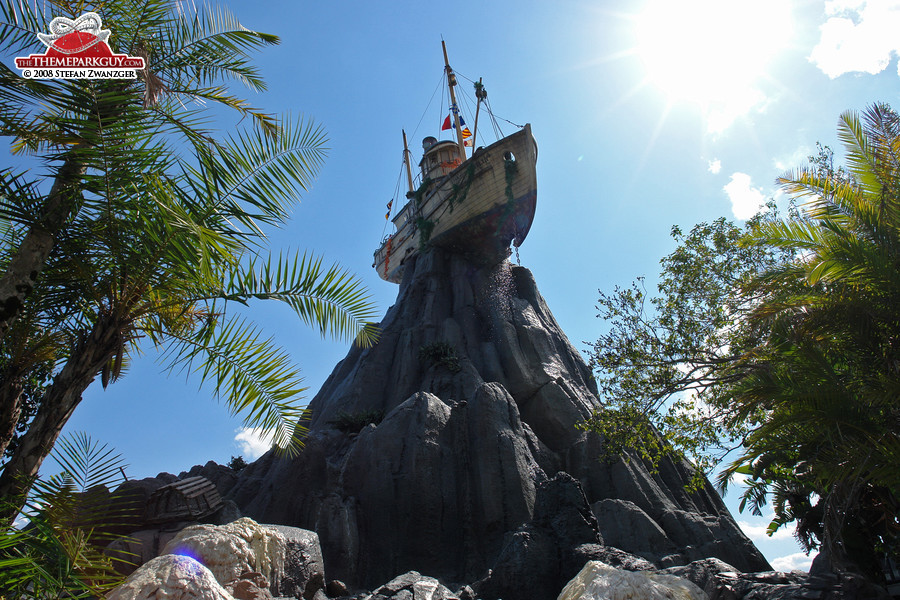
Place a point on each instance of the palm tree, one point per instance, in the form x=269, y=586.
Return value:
x=827, y=378
x=142, y=239
x=76, y=124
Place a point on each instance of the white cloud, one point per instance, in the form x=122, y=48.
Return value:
x=798, y=561
x=735, y=102
x=746, y=200
x=757, y=532
x=715, y=165
x=253, y=441
x=859, y=36
x=795, y=159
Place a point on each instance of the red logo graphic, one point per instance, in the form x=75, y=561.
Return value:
x=78, y=49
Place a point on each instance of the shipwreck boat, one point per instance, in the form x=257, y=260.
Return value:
x=476, y=206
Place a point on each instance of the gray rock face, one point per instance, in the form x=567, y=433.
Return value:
x=540, y=557
x=480, y=392
x=673, y=537
x=304, y=569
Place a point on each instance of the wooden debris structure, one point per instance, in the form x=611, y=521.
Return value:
x=187, y=500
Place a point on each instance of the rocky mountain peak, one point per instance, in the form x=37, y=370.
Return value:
x=426, y=450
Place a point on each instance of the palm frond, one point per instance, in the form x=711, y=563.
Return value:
x=253, y=177
x=85, y=464
x=19, y=24
x=212, y=44
x=59, y=553
x=860, y=152
x=327, y=298
x=256, y=379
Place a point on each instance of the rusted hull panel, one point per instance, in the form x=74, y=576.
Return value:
x=484, y=205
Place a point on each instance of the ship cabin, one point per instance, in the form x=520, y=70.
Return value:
x=440, y=158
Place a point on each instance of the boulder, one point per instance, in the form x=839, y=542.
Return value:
x=599, y=581
x=335, y=588
x=249, y=586
x=172, y=577
x=412, y=586
x=626, y=526
x=231, y=550
x=721, y=581
x=717, y=579
x=610, y=556
x=304, y=569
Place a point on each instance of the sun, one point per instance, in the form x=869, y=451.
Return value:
x=712, y=52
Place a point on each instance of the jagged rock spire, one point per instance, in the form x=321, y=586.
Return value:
x=475, y=392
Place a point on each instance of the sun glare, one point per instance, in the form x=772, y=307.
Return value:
x=712, y=52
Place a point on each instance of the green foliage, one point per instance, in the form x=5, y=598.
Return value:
x=829, y=388
x=440, y=354
x=425, y=228
x=28, y=378
x=237, y=463
x=355, y=422
x=786, y=335
x=156, y=224
x=419, y=194
x=672, y=358
x=59, y=553
x=460, y=191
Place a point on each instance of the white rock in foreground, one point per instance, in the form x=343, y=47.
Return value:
x=599, y=581
x=171, y=577
x=233, y=549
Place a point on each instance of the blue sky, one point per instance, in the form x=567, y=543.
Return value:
x=647, y=115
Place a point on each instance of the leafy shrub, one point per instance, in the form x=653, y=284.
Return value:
x=237, y=463
x=354, y=422
x=440, y=354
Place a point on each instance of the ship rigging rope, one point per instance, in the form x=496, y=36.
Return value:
x=490, y=111
x=393, y=198
x=440, y=84
x=397, y=194
x=462, y=99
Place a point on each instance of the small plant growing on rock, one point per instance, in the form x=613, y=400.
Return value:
x=237, y=463
x=440, y=354
x=354, y=422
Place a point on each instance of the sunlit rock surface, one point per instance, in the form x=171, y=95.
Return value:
x=233, y=549
x=172, y=578
x=480, y=392
x=598, y=581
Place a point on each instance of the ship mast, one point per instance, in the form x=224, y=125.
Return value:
x=454, y=108
x=481, y=94
x=406, y=153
